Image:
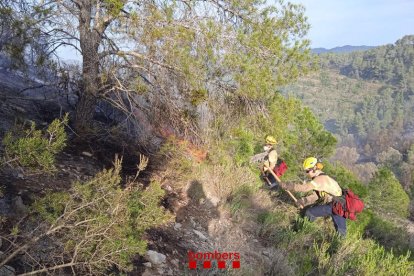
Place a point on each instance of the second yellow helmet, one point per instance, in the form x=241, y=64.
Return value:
x=270, y=140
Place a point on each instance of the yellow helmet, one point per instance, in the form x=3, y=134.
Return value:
x=271, y=140
x=309, y=163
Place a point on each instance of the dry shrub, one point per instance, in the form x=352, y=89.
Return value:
x=222, y=180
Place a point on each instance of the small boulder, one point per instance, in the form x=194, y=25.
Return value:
x=177, y=226
x=200, y=235
x=155, y=258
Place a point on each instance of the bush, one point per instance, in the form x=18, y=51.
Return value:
x=35, y=149
x=377, y=261
x=389, y=235
x=386, y=194
x=355, y=256
x=243, y=144
x=97, y=225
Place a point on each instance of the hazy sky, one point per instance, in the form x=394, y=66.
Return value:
x=358, y=22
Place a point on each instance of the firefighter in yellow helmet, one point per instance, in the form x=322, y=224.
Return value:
x=324, y=189
x=271, y=159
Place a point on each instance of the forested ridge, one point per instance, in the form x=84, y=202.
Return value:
x=125, y=162
x=367, y=99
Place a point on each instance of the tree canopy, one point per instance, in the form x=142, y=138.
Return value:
x=176, y=53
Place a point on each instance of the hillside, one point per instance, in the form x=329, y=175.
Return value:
x=137, y=160
x=342, y=49
x=367, y=100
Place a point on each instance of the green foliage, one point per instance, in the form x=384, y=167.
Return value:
x=357, y=256
x=365, y=97
x=35, y=149
x=387, y=195
x=390, y=63
x=273, y=225
x=51, y=206
x=114, y=7
x=102, y=222
x=392, y=237
x=376, y=261
x=298, y=131
x=243, y=144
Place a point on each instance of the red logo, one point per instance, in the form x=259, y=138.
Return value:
x=223, y=260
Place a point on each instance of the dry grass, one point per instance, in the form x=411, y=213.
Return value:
x=222, y=181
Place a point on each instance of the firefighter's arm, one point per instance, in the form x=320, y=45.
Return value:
x=306, y=187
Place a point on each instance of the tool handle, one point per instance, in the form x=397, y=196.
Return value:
x=289, y=193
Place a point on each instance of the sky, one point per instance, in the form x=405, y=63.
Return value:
x=348, y=22
x=358, y=22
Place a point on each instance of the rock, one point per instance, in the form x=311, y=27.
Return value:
x=168, y=188
x=177, y=226
x=266, y=252
x=214, y=200
x=18, y=206
x=7, y=271
x=20, y=175
x=193, y=223
x=148, y=273
x=155, y=258
x=88, y=154
x=147, y=264
x=200, y=235
x=175, y=262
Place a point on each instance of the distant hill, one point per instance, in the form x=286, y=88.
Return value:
x=342, y=49
x=366, y=98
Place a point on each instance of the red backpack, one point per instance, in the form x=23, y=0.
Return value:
x=348, y=209
x=280, y=167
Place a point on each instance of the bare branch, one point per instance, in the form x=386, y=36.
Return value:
x=143, y=57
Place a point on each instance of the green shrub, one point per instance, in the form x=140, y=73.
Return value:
x=35, y=149
x=243, y=145
x=386, y=194
x=389, y=235
x=100, y=223
x=377, y=261
x=354, y=256
x=273, y=224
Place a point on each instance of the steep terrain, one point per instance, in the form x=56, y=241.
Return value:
x=202, y=223
x=217, y=200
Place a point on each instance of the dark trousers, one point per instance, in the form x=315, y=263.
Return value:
x=324, y=211
x=272, y=179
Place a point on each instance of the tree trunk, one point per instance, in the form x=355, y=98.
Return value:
x=85, y=108
x=90, y=40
